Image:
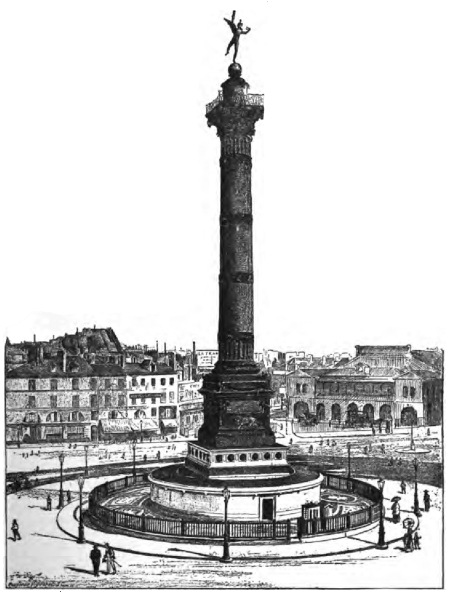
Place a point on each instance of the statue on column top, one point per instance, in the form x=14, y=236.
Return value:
x=237, y=31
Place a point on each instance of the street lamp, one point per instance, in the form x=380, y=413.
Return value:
x=381, y=530
x=61, y=499
x=349, y=446
x=226, y=558
x=416, y=509
x=134, y=446
x=81, y=527
x=86, y=459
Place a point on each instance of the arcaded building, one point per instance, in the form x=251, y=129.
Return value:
x=381, y=383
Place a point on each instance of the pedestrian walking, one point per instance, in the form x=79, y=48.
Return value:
x=18, y=444
x=388, y=426
x=311, y=449
x=145, y=457
x=408, y=540
x=95, y=555
x=110, y=559
x=158, y=454
x=395, y=507
x=403, y=487
x=417, y=540
x=428, y=432
x=49, y=503
x=373, y=430
x=379, y=427
x=427, y=500
x=37, y=469
x=68, y=496
x=15, y=530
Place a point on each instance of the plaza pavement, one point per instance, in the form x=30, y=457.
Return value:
x=48, y=555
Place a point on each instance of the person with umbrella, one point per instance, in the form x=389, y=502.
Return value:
x=395, y=507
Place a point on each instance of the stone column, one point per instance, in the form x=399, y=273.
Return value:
x=235, y=118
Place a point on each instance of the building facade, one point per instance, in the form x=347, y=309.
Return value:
x=191, y=412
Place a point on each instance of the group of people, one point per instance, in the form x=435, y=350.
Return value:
x=109, y=558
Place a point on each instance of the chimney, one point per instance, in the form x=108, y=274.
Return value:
x=194, y=348
x=76, y=331
x=94, y=327
x=64, y=361
x=34, y=338
x=164, y=348
x=157, y=346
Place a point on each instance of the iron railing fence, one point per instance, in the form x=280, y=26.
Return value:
x=238, y=530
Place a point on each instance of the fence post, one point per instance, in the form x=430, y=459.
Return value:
x=289, y=529
x=182, y=528
x=348, y=521
x=274, y=529
x=143, y=523
x=127, y=482
x=115, y=517
x=370, y=513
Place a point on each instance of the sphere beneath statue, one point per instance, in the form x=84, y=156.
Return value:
x=235, y=70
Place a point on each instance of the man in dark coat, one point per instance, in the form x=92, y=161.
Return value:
x=49, y=503
x=95, y=555
x=403, y=487
x=427, y=500
x=15, y=530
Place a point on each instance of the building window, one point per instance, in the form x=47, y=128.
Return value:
x=75, y=401
x=153, y=382
x=93, y=383
x=153, y=400
x=108, y=401
x=171, y=381
x=171, y=396
x=153, y=412
x=412, y=392
x=121, y=383
x=405, y=391
x=143, y=382
x=134, y=401
x=134, y=381
x=94, y=415
x=94, y=402
x=31, y=401
x=163, y=399
x=143, y=400
x=53, y=402
x=162, y=381
x=76, y=384
x=31, y=385
x=304, y=388
x=298, y=388
x=121, y=401
x=53, y=384
x=107, y=383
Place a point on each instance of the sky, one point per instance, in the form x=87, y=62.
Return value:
x=110, y=175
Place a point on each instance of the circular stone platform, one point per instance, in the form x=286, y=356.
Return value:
x=179, y=489
x=136, y=501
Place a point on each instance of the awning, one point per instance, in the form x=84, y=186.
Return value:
x=127, y=425
x=116, y=426
x=143, y=424
x=168, y=423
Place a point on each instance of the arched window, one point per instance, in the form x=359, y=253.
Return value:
x=298, y=388
x=304, y=388
x=405, y=391
x=412, y=392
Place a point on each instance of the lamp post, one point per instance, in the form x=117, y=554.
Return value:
x=226, y=558
x=134, y=446
x=141, y=431
x=381, y=530
x=61, y=498
x=349, y=446
x=81, y=527
x=86, y=459
x=417, y=511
